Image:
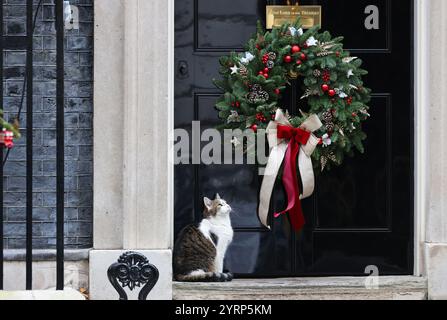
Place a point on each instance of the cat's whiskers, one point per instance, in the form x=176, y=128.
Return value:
x=235, y=213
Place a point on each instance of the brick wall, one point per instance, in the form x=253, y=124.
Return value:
x=79, y=129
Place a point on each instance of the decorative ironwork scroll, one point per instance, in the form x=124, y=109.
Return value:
x=133, y=270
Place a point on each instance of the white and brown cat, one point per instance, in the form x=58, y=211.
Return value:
x=200, y=250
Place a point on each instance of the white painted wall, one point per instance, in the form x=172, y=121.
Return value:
x=435, y=113
x=133, y=188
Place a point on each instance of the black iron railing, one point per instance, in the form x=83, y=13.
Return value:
x=1, y=149
x=26, y=43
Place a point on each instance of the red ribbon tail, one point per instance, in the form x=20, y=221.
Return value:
x=290, y=181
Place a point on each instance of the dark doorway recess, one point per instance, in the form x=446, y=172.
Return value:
x=361, y=213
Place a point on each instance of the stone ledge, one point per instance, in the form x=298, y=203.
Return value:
x=335, y=288
x=67, y=294
x=46, y=255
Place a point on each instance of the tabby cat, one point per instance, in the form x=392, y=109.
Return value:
x=199, y=251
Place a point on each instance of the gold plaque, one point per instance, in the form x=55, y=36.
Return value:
x=278, y=15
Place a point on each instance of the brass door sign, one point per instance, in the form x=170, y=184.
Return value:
x=278, y=15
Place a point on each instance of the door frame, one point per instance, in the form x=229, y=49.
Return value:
x=421, y=73
x=421, y=129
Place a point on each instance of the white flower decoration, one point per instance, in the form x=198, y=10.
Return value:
x=340, y=92
x=234, y=70
x=342, y=95
x=234, y=117
x=248, y=58
x=235, y=142
x=349, y=59
x=326, y=140
x=294, y=31
x=311, y=42
x=350, y=73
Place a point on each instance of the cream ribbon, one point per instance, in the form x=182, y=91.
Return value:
x=277, y=154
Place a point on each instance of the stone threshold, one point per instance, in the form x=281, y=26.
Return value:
x=66, y=294
x=46, y=255
x=331, y=288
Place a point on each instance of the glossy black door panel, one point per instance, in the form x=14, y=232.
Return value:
x=234, y=16
x=361, y=213
x=341, y=194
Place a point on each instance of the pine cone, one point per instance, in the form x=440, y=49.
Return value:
x=270, y=64
x=324, y=53
x=317, y=73
x=323, y=160
x=272, y=56
x=327, y=116
x=243, y=71
x=330, y=127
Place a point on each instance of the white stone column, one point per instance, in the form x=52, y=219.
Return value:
x=133, y=190
x=436, y=215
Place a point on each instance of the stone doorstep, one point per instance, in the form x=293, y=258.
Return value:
x=66, y=294
x=333, y=288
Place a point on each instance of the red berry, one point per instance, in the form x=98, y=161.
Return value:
x=325, y=87
x=261, y=73
x=287, y=59
x=354, y=114
x=337, y=54
x=233, y=104
x=273, y=116
x=277, y=91
x=266, y=75
x=266, y=70
x=238, y=104
x=299, y=62
x=254, y=128
x=349, y=101
x=331, y=93
x=296, y=49
x=303, y=56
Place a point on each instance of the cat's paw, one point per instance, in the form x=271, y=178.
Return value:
x=229, y=277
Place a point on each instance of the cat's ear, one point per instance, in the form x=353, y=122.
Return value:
x=208, y=203
x=217, y=196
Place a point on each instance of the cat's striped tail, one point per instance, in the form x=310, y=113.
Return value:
x=204, y=277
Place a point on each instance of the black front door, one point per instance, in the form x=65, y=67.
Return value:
x=361, y=213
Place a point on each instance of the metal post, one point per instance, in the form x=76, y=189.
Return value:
x=1, y=149
x=29, y=144
x=60, y=144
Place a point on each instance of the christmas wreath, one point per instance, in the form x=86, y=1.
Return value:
x=253, y=83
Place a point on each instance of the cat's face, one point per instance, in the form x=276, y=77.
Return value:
x=217, y=207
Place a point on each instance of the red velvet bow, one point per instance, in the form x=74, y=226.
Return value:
x=297, y=137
